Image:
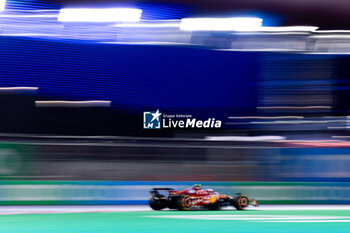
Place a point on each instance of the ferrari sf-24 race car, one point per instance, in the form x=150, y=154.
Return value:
x=195, y=197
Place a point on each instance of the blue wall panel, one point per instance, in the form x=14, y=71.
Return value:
x=131, y=75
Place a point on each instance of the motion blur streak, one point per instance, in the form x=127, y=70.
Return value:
x=221, y=24
x=244, y=138
x=265, y=158
x=125, y=26
x=18, y=89
x=295, y=107
x=79, y=104
x=99, y=15
x=293, y=122
x=28, y=15
x=331, y=36
x=288, y=29
x=266, y=117
x=152, y=24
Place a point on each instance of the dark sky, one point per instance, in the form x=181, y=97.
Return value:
x=328, y=14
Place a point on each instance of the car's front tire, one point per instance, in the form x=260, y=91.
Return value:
x=240, y=201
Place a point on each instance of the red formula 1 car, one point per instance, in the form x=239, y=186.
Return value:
x=195, y=197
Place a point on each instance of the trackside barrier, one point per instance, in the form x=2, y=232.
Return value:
x=123, y=192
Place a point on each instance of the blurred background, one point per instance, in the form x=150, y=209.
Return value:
x=74, y=85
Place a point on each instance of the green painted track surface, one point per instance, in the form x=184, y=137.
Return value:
x=178, y=221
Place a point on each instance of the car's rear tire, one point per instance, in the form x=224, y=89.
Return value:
x=184, y=203
x=156, y=204
x=240, y=201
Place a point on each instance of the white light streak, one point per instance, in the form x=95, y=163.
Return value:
x=28, y=16
x=261, y=50
x=165, y=24
x=147, y=43
x=292, y=122
x=28, y=34
x=333, y=31
x=244, y=138
x=291, y=30
x=295, y=107
x=2, y=5
x=99, y=15
x=325, y=36
x=18, y=89
x=266, y=117
x=269, y=33
x=70, y=104
x=288, y=29
x=221, y=24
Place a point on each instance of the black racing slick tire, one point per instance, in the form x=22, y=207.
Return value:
x=240, y=201
x=155, y=204
x=184, y=203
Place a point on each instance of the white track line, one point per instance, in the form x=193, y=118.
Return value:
x=318, y=221
x=11, y=210
x=302, y=207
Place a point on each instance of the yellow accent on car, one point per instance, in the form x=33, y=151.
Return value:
x=213, y=199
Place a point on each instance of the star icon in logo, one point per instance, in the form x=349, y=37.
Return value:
x=156, y=115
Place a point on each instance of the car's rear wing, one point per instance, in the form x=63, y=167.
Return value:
x=167, y=189
x=155, y=192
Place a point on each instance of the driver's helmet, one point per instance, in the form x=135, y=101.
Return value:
x=197, y=186
x=210, y=190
